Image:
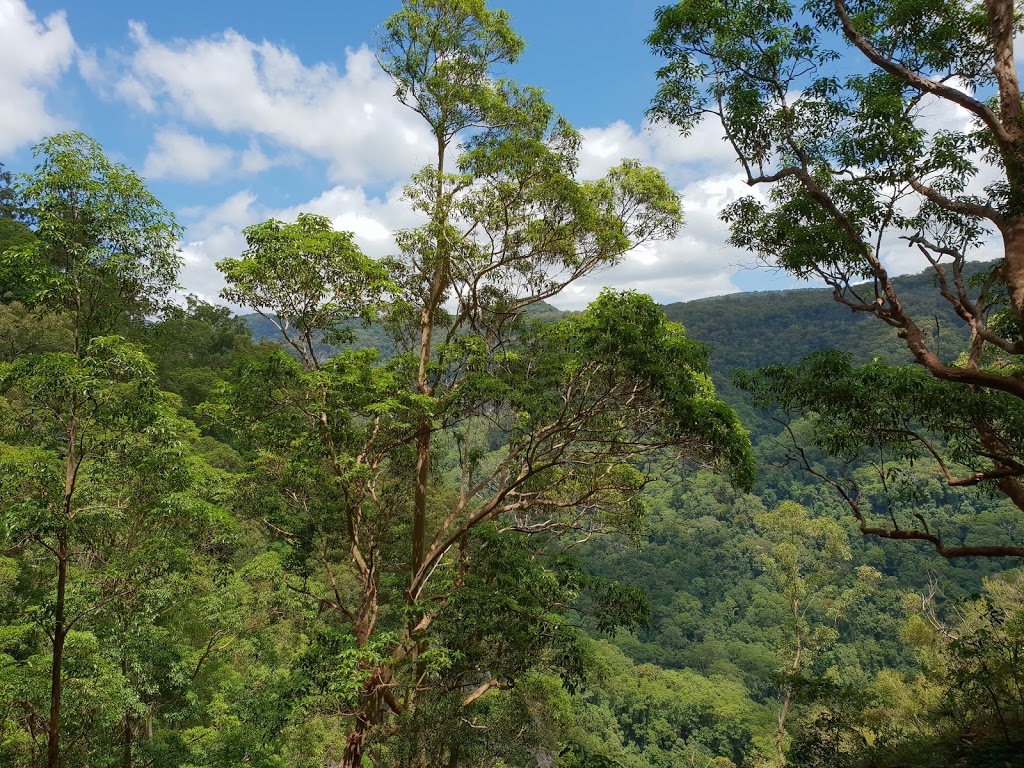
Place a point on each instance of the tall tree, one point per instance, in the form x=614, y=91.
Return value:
x=479, y=417
x=546, y=433
x=829, y=106
x=510, y=227
x=803, y=556
x=89, y=419
x=104, y=251
x=556, y=438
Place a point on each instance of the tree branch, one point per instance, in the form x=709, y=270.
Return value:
x=921, y=83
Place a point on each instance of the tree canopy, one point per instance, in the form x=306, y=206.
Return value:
x=828, y=106
x=426, y=519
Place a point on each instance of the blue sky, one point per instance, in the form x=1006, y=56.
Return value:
x=238, y=111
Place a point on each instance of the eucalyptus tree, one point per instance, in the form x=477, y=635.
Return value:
x=509, y=227
x=104, y=251
x=97, y=484
x=877, y=125
x=385, y=472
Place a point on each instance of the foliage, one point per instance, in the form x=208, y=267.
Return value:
x=385, y=474
x=640, y=715
x=102, y=503
x=8, y=206
x=828, y=107
x=12, y=231
x=378, y=541
x=920, y=419
x=104, y=250
x=310, y=278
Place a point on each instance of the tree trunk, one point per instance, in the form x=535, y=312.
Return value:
x=56, y=680
x=780, y=736
x=434, y=298
x=369, y=714
x=1013, y=264
x=780, y=739
x=127, y=733
x=366, y=717
x=419, y=521
x=356, y=745
x=126, y=756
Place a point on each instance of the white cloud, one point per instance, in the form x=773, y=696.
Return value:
x=253, y=160
x=179, y=155
x=185, y=157
x=216, y=234
x=701, y=153
x=262, y=91
x=33, y=55
x=133, y=90
x=372, y=220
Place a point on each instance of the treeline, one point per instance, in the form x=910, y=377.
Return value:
x=436, y=523
x=182, y=583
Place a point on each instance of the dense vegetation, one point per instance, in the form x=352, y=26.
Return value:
x=829, y=109
x=406, y=514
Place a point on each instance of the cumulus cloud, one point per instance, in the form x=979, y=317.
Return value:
x=33, y=55
x=701, y=153
x=214, y=234
x=263, y=91
x=182, y=156
x=373, y=220
x=254, y=160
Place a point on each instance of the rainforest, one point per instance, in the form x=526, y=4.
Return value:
x=404, y=511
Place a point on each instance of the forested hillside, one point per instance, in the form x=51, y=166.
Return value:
x=758, y=328
x=704, y=675
x=403, y=513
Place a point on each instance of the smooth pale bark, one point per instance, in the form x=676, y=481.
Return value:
x=1013, y=264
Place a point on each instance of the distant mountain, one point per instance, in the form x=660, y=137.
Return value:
x=749, y=330
x=373, y=336
x=754, y=329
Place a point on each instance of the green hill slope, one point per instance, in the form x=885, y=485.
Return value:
x=749, y=330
